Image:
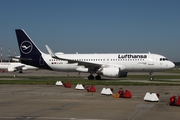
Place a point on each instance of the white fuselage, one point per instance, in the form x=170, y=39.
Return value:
x=128, y=62
x=13, y=66
x=111, y=65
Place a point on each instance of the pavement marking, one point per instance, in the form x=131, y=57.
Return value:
x=51, y=118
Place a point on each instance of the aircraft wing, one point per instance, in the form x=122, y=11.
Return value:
x=18, y=66
x=14, y=67
x=85, y=64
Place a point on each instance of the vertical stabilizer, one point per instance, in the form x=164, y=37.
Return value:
x=30, y=53
x=26, y=45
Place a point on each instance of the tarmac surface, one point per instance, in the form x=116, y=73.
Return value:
x=42, y=72
x=50, y=102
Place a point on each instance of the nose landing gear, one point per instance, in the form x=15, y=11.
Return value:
x=151, y=76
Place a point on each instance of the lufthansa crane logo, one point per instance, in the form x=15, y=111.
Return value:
x=26, y=47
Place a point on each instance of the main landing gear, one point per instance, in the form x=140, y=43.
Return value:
x=91, y=77
x=151, y=76
x=98, y=77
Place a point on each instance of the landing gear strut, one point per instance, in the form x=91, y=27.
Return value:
x=151, y=76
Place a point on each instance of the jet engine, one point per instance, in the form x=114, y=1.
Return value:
x=113, y=72
x=11, y=69
x=24, y=68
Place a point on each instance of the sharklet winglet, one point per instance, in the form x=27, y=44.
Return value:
x=50, y=52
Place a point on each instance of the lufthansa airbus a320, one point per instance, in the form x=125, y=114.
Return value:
x=110, y=65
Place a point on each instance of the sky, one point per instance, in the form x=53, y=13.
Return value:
x=93, y=26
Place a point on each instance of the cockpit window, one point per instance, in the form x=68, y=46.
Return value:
x=163, y=59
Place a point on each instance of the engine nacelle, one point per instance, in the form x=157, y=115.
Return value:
x=82, y=69
x=11, y=69
x=113, y=72
x=24, y=68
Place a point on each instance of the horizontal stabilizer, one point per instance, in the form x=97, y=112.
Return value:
x=19, y=58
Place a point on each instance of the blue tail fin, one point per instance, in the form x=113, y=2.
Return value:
x=26, y=45
x=30, y=54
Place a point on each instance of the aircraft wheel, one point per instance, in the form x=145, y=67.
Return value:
x=90, y=77
x=151, y=78
x=98, y=77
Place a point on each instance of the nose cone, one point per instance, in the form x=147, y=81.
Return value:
x=171, y=65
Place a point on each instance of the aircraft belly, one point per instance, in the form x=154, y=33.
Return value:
x=64, y=67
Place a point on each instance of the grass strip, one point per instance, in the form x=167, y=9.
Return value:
x=51, y=80
x=85, y=82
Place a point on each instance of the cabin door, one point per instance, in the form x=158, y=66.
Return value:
x=150, y=59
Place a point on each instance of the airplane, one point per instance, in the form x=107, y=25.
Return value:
x=110, y=65
x=14, y=66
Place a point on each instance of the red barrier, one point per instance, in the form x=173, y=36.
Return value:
x=174, y=100
x=125, y=94
x=91, y=89
x=67, y=85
